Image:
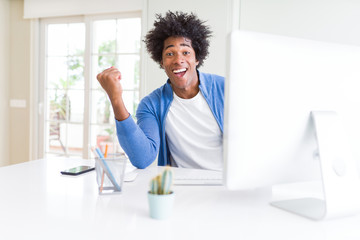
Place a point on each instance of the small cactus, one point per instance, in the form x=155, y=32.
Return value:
x=161, y=184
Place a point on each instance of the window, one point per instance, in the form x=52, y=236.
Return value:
x=78, y=113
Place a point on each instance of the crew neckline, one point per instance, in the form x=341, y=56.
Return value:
x=187, y=99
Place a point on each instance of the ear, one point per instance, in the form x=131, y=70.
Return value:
x=161, y=64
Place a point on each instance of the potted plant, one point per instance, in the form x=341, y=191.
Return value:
x=160, y=196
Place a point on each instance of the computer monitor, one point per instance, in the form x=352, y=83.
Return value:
x=292, y=113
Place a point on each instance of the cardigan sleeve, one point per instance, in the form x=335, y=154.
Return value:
x=140, y=141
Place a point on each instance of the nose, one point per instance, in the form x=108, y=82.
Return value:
x=179, y=58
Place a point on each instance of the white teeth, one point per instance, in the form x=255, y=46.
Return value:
x=179, y=70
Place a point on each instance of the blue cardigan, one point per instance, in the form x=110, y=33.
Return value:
x=143, y=141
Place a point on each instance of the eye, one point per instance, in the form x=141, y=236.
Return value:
x=169, y=54
x=186, y=53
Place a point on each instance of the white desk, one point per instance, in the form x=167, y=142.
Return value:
x=37, y=202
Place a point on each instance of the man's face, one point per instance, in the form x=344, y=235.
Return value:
x=179, y=62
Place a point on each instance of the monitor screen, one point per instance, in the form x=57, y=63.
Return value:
x=275, y=87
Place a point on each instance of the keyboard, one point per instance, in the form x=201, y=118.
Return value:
x=186, y=176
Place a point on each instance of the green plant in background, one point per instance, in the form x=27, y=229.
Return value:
x=107, y=111
x=58, y=104
x=103, y=109
x=105, y=61
x=161, y=184
x=110, y=132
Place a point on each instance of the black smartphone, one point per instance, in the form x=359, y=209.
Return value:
x=77, y=170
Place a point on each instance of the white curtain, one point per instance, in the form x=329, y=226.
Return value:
x=57, y=8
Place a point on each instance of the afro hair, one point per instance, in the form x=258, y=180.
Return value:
x=178, y=24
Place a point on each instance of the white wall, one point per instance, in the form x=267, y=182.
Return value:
x=60, y=8
x=324, y=20
x=19, y=83
x=4, y=80
x=216, y=13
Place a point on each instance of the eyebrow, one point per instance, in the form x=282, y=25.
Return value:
x=181, y=44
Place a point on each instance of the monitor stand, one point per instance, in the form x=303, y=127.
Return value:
x=340, y=178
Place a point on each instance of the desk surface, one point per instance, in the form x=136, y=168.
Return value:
x=37, y=202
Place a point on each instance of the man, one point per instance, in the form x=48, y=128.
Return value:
x=182, y=121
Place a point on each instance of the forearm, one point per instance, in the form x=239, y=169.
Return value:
x=120, y=111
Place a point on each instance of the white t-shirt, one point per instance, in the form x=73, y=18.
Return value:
x=193, y=135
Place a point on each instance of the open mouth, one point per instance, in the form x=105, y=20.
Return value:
x=180, y=72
